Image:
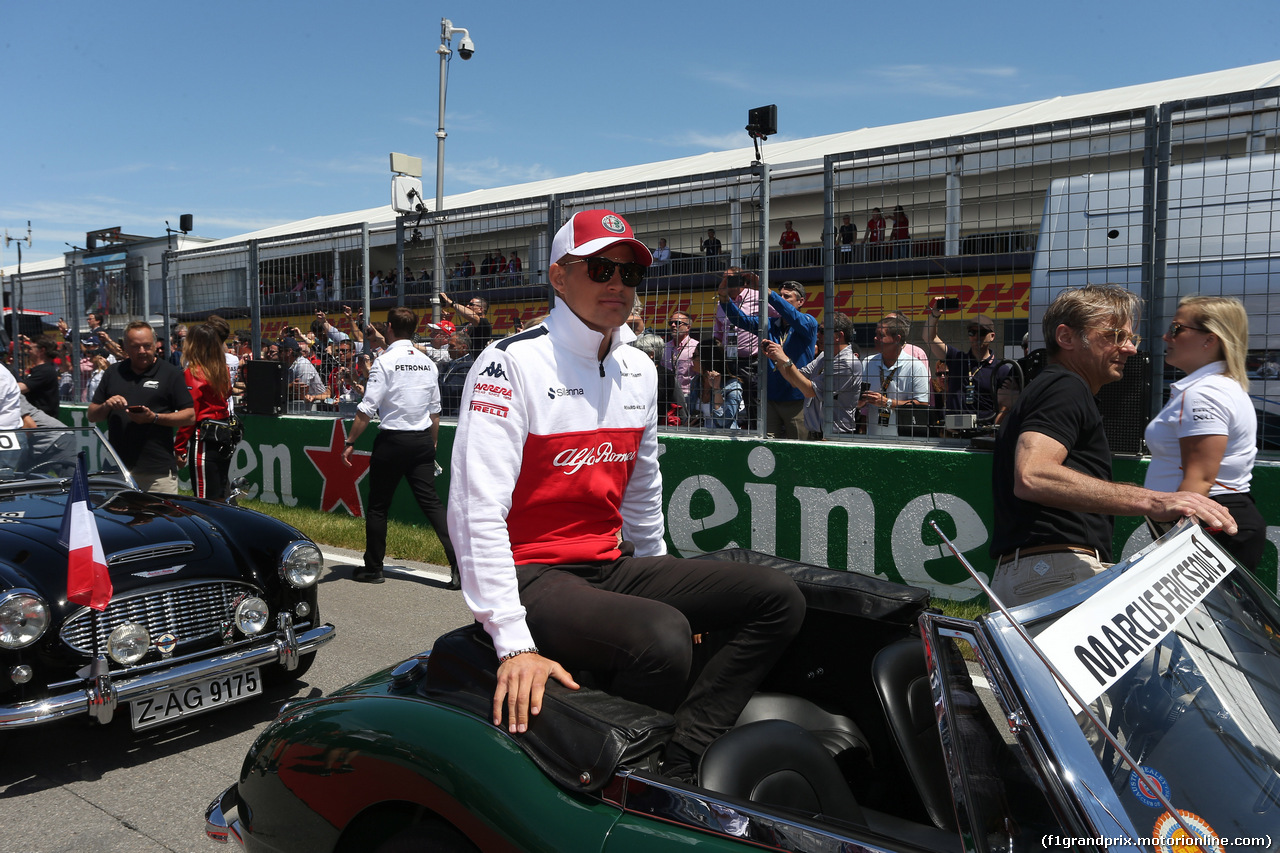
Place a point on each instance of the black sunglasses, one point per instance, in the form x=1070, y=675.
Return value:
x=600, y=270
x=1175, y=329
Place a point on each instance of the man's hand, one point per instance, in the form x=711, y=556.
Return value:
x=521, y=683
x=140, y=414
x=773, y=350
x=1171, y=506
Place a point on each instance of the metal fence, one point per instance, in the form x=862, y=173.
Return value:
x=1176, y=199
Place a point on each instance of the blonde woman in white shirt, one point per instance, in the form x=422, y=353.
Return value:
x=1206, y=437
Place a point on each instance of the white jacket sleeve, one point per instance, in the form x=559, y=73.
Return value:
x=487, y=455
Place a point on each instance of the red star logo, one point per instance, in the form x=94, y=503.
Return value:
x=341, y=484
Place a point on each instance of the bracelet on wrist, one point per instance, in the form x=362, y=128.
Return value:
x=509, y=655
x=786, y=363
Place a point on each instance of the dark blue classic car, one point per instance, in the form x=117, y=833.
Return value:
x=885, y=727
x=209, y=599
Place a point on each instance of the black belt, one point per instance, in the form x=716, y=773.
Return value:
x=1047, y=549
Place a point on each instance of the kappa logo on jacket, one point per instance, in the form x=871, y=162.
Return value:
x=495, y=370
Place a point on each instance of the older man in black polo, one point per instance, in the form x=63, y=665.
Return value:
x=143, y=398
x=1055, y=501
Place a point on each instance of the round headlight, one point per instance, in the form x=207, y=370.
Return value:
x=128, y=643
x=300, y=564
x=23, y=619
x=252, y=615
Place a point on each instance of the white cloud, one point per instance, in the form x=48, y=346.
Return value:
x=944, y=80
x=491, y=172
x=916, y=79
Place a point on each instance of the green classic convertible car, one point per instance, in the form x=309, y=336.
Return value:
x=1144, y=713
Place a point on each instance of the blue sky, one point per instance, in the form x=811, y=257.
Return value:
x=252, y=114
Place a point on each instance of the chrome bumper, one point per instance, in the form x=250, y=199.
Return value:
x=101, y=692
x=221, y=822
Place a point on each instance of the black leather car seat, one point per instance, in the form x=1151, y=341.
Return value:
x=777, y=763
x=901, y=677
x=836, y=732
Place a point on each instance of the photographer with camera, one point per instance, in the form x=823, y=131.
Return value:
x=973, y=374
x=797, y=332
x=97, y=339
x=342, y=381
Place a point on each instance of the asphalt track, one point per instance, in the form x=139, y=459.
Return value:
x=73, y=787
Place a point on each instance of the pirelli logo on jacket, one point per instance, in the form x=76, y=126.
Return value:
x=489, y=408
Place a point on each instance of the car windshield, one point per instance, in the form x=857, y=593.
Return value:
x=1180, y=659
x=28, y=455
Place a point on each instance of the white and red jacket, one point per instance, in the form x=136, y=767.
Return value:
x=555, y=458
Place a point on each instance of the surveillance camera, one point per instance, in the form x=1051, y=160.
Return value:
x=466, y=47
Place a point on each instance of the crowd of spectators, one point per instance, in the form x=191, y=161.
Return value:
x=883, y=238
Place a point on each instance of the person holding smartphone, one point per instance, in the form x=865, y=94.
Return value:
x=891, y=379
x=143, y=399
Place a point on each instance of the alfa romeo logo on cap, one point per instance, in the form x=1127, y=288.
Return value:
x=614, y=224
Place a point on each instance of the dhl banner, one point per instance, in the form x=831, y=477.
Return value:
x=1001, y=296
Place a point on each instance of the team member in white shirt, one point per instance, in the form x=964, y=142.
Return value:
x=404, y=392
x=1206, y=438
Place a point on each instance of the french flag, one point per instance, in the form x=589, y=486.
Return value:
x=87, y=580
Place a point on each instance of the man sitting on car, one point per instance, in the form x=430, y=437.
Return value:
x=555, y=511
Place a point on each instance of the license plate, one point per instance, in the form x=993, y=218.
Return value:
x=167, y=706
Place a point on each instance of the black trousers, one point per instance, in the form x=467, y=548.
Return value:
x=635, y=618
x=411, y=456
x=209, y=465
x=1246, y=546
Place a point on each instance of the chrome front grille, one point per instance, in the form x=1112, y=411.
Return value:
x=190, y=612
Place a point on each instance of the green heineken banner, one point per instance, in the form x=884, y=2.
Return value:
x=850, y=506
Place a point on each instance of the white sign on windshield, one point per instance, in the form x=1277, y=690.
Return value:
x=1101, y=639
